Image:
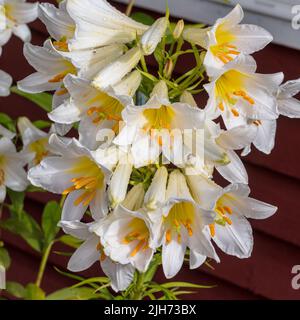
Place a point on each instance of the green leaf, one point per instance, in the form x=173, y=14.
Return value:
x=4, y=258
x=17, y=201
x=155, y=263
x=26, y=227
x=7, y=122
x=184, y=285
x=92, y=281
x=70, y=241
x=33, y=292
x=15, y=289
x=143, y=18
x=50, y=218
x=82, y=293
x=42, y=124
x=43, y=100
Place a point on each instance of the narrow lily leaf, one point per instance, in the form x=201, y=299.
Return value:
x=43, y=100
x=26, y=227
x=50, y=218
x=15, y=289
x=41, y=124
x=143, y=18
x=17, y=200
x=92, y=281
x=7, y=122
x=4, y=258
x=83, y=293
x=184, y=285
x=70, y=241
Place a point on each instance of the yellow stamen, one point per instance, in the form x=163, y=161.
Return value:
x=61, y=92
x=137, y=248
x=212, y=229
x=168, y=236
x=235, y=112
x=227, y=209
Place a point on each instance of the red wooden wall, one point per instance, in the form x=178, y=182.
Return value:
x=274, y=178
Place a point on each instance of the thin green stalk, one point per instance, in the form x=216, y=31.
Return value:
x=129, y=8
x=138, y=290
x=43, y=264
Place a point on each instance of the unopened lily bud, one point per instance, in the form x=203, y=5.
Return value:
x=188, y=98
x=178, y=29
x=169, y=67
x=135, y=198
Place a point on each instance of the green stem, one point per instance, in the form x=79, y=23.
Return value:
x=138, y=290
x=43, y=264
x=129, y=8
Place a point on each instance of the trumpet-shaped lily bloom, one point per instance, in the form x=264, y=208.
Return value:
x=73, y=172
x=239, y=91
x=127, y=234
x=14, y=16
x=231, y=231
x=92, y=251
x=99, y=24
x=158, y=126
x=51, y=68
x=227, y=39
x=123, y=65
x=58, y=22
x=182, y=223
x=12, y=174
x=5, y=84
x=95, y=109
x=288, y=106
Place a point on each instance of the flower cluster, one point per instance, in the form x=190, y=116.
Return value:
x=139, y=179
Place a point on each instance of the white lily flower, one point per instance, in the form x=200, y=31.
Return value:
x=157, y=125
x=123, y=65
x=51, y=69
x=5, y=84
x=231, y=231
x=95, y=109
x=266, y=129
x=153, y=35
x=239, y=91
x=182, y=224
x=73, y=172
x=14, y=16
x=58, y=22
x=155, y=196
x=99, y=24
x=119, y=181
x=288, y=105
x=12, y=174
x=233, y=139
x=127, y=234
x=227, y=39
x=91, y=251
x=35, y=141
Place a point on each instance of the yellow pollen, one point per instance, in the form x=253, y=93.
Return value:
x=227, y=220
x=61, y=92
x=257, y=123
x=235, y=112
x=228, y=209
x=61, y=45
x=107, y=108
x=168, y=236
x=221, y=106
x=212, y=229
x=139, y=246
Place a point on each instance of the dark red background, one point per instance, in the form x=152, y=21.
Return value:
x=273, y=178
